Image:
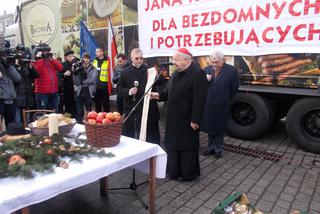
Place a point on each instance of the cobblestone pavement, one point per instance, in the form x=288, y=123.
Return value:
x=272, y=186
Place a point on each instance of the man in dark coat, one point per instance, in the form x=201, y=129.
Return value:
x=131, y=94
x=68, y=88
x=223, y=85
x=186, y=95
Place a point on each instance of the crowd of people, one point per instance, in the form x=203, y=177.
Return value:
x=197, y=100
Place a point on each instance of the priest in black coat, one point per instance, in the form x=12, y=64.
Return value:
x=137, y=72
x=223, y=85
x=186, y=95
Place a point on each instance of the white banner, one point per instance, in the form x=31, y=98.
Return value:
x=237, y=27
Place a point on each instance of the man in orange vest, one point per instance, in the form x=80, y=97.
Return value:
x=101, y=63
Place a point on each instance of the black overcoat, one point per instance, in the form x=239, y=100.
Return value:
x=220, y=92
x=186, y=94
x=126, y=81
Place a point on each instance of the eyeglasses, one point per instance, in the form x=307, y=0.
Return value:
x=137, y=58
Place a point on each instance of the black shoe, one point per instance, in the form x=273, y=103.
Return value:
x=217, y=155
x=209, y=152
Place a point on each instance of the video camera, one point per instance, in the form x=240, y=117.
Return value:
x=77, y=65
x=78, y=68
x=44, y=49
x=9, y=55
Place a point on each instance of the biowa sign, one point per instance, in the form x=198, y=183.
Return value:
x=238, y=27
x=41, y=23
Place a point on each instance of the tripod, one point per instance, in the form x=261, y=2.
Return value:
x=133, y=185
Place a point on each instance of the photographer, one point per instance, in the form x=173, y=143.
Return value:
x=8, y=77
x=67, y=79
x=46, y=86
x=24, y=90
x=84, y=78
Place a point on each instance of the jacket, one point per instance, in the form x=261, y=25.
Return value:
x=90, y=81
x=47, y=83
x=220, y=92
x=24, y=89
x=186, y=94
x=67, y=80
x=8, y=77
x=102, y=67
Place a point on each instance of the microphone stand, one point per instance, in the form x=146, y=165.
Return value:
x=133, y=185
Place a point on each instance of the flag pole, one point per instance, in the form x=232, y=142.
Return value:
x=113, y=35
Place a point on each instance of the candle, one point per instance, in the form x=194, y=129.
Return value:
x=53, y=124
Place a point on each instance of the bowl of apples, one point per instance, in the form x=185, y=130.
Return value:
x=103, y=129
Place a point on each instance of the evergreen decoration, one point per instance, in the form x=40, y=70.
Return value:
x=27, y=157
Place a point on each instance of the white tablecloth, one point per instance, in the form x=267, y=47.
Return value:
x=16, y=193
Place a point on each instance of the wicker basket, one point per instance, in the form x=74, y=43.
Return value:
x=103, y=135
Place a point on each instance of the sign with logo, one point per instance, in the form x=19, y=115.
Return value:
x=41, y=23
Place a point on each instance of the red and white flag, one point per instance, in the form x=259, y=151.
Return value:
x=112, y=53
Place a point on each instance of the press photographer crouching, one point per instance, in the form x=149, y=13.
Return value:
x=46, y=86
x=8, y=77
x=24, y=89
x=84, y=79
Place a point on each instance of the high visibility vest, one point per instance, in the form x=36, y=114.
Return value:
x=103, y=70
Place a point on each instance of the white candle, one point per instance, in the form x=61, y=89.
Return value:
x=53, y=124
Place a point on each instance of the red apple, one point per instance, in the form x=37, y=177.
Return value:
x=117, y=118
x=91, y=121
x=116, y=114
x=92, y=115
x=110, y=116
x=99, y=119
x=102, y=114
x=106, y=121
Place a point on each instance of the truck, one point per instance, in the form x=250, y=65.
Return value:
x=278, y=80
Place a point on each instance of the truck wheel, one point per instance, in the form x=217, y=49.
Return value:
x=303, y=124
x=250, y=116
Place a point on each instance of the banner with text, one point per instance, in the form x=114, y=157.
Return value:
x=241, y=27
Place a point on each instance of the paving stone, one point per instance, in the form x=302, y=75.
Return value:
x=203, y=210
x=279, y=210
x=290, y=190
x=211, y=203
x=315, y=206
x=194, y=203
x=269, y=196
x=287, y=196
x=283, y=204
x=178, y=202
x=265, y=206
x=300, y=205
x=181, y=188
x=183, y=210
x=204, y=195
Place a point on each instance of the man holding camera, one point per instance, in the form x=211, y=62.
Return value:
x=84, y=78
x=46, y=86
x=68, y=89
x=25, y=95
x=8, y=77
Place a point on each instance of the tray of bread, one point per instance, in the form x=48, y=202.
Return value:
x=40, y=126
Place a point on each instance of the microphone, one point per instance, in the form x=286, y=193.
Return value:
x=166, y=63
x=136, y=84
